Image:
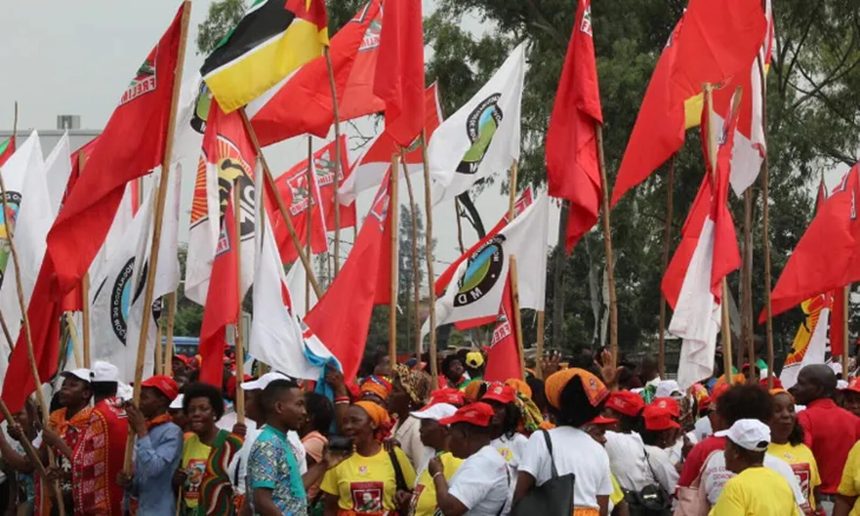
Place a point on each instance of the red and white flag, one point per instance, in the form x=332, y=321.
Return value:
x=572, y=166
x=341, y=318
x=369, y=170
x=503, y=356
x=707, y=253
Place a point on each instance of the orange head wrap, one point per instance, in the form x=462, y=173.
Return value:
x=378, y=415
x=472, y=390
x=520, y=386
x=594, y=389
x=377, y=385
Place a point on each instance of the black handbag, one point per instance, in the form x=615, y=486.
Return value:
x=651, y=500
x=553, y=498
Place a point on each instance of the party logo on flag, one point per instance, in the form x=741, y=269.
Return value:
x=325, y=166
x=121, y=299
x=300, y=191
x=482, y=272
x=10, y=214
x=370, y=41
x=481, y=125
x=586, y=21
x=143, y=81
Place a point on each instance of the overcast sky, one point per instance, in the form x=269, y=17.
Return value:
x=76, y=56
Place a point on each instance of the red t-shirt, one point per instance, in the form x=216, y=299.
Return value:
x=830, y=431
x=697, y=457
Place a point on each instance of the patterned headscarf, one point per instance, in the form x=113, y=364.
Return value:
x=377, y=385
x=415, y=383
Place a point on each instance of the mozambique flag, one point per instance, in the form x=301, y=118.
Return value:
x=7, y=148
x=271, y=41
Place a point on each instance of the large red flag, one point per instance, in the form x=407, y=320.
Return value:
x=341, y=318
x=572, y=167
x=713, y=42
x=131, y=145
x=320, y=195
x=827, y=257
x=399, y=79
x=222, y=303
x=503, y=356
x=303, y=103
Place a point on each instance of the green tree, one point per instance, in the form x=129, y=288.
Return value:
x=223, y=16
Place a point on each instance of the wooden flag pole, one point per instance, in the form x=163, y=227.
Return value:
x=282, y=208
x=416, y=269
x=309, y=177
x=428, y=252
x=392, y=219
x=846, y=299
x=765, y=194
x=512, y=199
x=558, y=279
x=517, y=322
x=163, y=182
x=337, y=171
x=725, y=326
x=85, y=316
x=664, y=263
x=240, y=348
x=28, y=336
x=15, y=124
x=158, y=365
x=171, y=323
x=539, y=337
x=607, y=244
x=6, y=334
x=746, y=280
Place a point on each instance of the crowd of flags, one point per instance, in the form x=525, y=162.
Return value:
x=86, y=234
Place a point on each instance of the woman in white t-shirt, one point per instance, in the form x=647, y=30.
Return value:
x=576, y=397
x=482, y=485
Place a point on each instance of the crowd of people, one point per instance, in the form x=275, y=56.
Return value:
x=588, y=439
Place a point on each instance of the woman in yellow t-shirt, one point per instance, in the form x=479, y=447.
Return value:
x=848, y=499
x=787, y=444
x=422, y=501
x=365, y=483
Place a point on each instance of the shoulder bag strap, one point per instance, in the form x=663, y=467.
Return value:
x=548, y=441
x=399, y=479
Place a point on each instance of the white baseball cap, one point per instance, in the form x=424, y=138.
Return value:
x=104, y=372
x=750, y=434
x=176, y=404
x=667, y=388
x=81, y=374
x=435, y=412
x=263, y=381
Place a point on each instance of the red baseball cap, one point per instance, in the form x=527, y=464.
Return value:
x=184, y=359
x=497, y=391
x=853, y=386
x=601, y=420
x=669, y=405
x=659, y=418
x=165, y=384
x=478, y=414
x=448, y=395
x=625, y=402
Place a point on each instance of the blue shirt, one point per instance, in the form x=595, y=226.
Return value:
x=156, y=457
x=272, y=465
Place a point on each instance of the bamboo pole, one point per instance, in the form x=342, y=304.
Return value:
x=712, y=146
x=541, y=320
x=240, y=348
x=171, y=323
x=846, y=299
x=337, y=172
x=309, y=177
x=282, y=208
x=392, y=220
x=85, y=316
x=149, y=292
x=512, y=199
x=158, y=355
x=6, y=334
x=664, y=263
x=607, y=244
x=517, y=320
x=765, y=194
x=416, y=269
x=748, y=336
x=428, y=252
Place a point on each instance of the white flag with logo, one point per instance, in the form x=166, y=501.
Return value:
x=483, y=136
x=477, y=287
